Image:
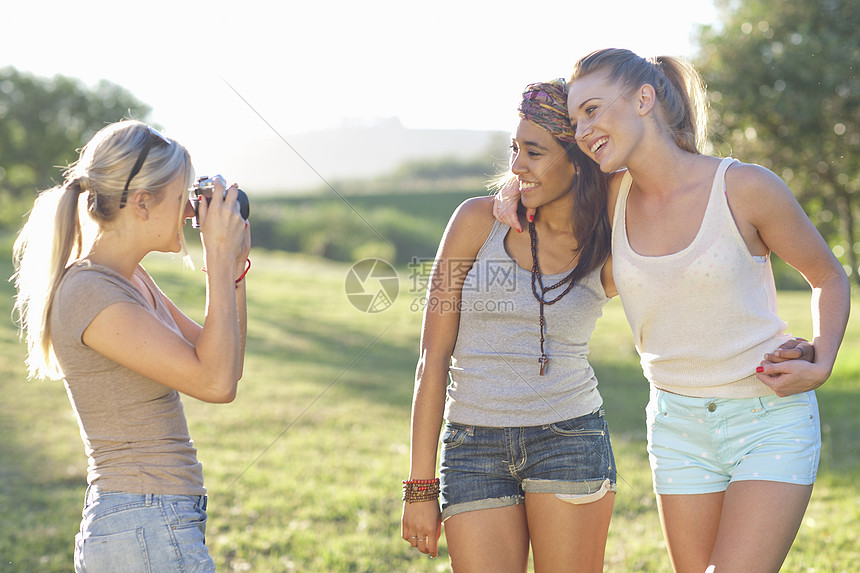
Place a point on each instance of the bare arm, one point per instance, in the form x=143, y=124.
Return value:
x=466, y=232
x=770, y=218
x=203, y=362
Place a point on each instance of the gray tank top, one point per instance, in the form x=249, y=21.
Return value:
x=494, y=370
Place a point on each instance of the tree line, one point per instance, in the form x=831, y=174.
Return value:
x=781, y=75
x=785, y=93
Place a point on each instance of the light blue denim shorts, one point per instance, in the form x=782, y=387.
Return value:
x=485, y=468
x=128, y=532
x=700, y=445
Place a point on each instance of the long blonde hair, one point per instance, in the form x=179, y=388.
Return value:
x=678, y=85
x=56, y=232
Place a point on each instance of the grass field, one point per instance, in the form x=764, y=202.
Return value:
x=304, y=468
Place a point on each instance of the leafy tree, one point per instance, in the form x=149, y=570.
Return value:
x=43, y=122
x=785, y=93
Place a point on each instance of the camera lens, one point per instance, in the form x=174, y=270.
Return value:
x=244, y=204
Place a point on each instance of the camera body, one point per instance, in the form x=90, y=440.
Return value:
x=204, y=186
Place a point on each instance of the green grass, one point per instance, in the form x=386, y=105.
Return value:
x=304, y=468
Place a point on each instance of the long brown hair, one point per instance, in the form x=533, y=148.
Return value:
x=591, y=225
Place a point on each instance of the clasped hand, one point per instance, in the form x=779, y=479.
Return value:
x=790, y=369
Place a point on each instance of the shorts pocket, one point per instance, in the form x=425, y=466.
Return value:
x=454, y=435
x=590, y=425
x=778, y=412
x=654, y=414
x=190, y=540
x=116, y=552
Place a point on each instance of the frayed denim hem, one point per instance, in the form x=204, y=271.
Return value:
x=492, y=503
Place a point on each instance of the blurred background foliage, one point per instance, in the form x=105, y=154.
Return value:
x=783, y=80
x=784, y=93
x=43, y=122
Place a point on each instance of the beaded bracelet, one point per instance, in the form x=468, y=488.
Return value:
x=417, y=490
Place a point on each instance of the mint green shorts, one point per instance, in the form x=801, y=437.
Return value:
x=700, y=445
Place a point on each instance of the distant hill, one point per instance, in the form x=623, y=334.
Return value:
x=356, y=150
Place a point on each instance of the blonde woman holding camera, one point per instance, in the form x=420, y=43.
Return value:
x=93, y=316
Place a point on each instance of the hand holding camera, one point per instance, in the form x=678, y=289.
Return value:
x=204, y=187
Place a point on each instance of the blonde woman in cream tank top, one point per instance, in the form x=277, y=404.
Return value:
x=733, y=436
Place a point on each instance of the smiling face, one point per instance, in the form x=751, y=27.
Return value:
x=541, y=164
x=605, y=119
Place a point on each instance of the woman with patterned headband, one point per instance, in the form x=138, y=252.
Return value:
x=526, y=457
x=93, y=316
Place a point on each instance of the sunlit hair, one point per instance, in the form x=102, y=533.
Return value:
x=591, y=226
x=679, y=88
x=66, y=219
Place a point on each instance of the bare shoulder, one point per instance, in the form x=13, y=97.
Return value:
x=469, y=227
x=750, y=181
x=756, y=194
x=476, y=207
x=474, y=212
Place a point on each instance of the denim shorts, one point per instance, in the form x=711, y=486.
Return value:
x=128, y=532
x=700, y=445
x=485, y=468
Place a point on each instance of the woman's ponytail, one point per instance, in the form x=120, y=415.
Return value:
x=48, y=241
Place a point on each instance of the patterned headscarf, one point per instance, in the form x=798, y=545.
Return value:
x=545, y=103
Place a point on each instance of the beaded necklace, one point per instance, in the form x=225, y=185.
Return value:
x=537, y=280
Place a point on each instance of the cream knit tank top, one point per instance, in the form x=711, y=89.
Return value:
x=702, y=318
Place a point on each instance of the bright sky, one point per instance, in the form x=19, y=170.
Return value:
x=308, y=65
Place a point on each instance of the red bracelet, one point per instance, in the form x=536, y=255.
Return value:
x=419, y=490
x=245, y=272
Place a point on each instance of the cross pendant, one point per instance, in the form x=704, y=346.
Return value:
x=543, y=362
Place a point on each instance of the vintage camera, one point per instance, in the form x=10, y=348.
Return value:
x=204, y=186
